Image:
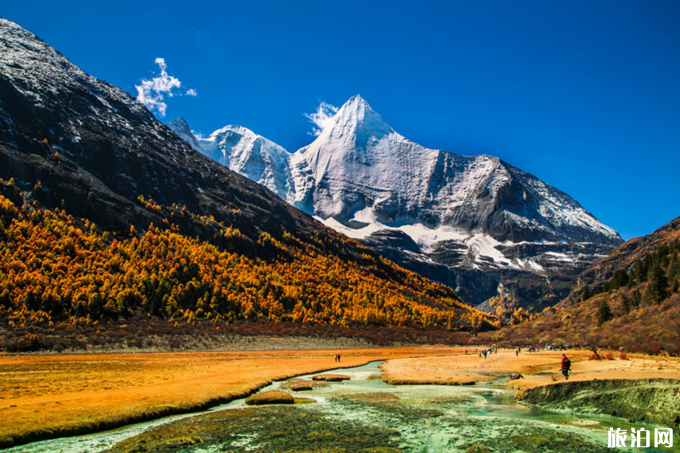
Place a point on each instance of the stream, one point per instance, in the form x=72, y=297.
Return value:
x=424, y=419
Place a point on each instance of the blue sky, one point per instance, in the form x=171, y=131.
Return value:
x=585, y=95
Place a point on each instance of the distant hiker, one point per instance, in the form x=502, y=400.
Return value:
x=485, y=352
x=516, y=376
x=517, y=352
x=338, y=357
x=565, y=366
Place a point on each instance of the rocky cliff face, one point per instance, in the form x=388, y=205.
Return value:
x=476, y=223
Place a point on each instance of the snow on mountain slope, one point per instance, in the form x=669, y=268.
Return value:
x=244, y=152
x=363, y=179
x=359, y=162
x=181, y=128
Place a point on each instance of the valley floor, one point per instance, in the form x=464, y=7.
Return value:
x=47, y=396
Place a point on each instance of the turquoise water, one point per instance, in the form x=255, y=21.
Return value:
x=430, y=418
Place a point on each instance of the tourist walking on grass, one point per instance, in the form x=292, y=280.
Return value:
x=565, y=366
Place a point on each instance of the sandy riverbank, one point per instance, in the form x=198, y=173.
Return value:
x=47, y=396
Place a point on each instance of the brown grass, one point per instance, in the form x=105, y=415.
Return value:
x=467, y=369
x=50, y=396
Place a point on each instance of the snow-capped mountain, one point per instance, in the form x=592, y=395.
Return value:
x=244, y=152
x=359, y=169
x=472, y=213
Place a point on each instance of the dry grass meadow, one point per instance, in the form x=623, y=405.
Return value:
x=45, y=396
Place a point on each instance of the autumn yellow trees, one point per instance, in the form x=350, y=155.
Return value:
x=54, y=268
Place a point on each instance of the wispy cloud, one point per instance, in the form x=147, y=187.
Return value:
x=322, y=118
x=152, y=92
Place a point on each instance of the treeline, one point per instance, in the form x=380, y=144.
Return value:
x=56, y=271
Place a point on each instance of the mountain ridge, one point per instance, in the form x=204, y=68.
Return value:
x=360, y=177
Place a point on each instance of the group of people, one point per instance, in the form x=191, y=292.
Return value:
x=337, y=357
x=565, y=364
x=485, y=352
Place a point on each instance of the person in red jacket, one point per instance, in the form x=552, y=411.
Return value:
x=565, y=367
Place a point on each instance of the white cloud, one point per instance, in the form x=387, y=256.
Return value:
x=152, y=92
x=322, y=118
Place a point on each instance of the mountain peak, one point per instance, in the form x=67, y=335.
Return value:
x=357, y=118
x=180, y=127
x=357, y=102
x=179, y=123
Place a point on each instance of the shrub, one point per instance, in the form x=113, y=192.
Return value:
x=594, y=357
x=609, y=355
x=623, y=356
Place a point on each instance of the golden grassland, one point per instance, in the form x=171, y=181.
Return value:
x=45, y=396
x=538, y=368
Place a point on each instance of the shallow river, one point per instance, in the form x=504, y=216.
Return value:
x=429, y=418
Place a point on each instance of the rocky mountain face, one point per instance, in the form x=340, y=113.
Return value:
x=475, y=223
x=74, y=142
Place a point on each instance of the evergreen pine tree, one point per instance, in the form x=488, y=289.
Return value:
x=657, y=290
x=637, y=298
x=638, y=272
x=626, y=304
x=604, y=313
x=619, y=279
x=585, y=295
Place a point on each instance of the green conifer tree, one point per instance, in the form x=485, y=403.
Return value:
x=657, y=290
x=604, y=313
x=585, y=295
x=626, y=304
